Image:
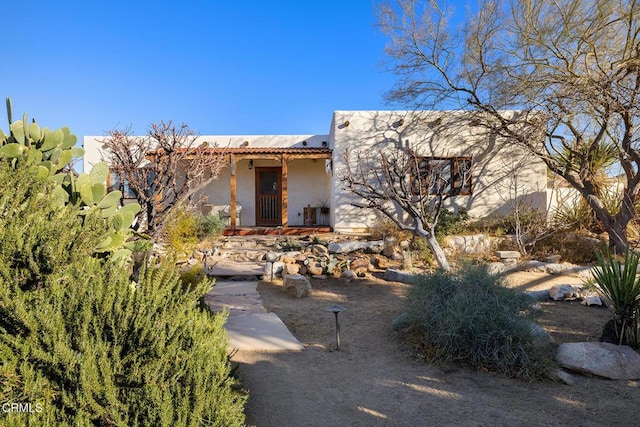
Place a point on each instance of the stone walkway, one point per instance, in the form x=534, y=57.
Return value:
x=249, y=326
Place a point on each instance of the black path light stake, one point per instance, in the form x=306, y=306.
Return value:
x=335, y=309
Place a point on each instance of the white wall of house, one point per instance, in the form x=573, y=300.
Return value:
x=502, y=173
x=496, y=187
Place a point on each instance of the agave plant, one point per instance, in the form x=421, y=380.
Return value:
x=620, y=284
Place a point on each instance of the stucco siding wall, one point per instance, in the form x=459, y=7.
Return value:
x=308, y=184
x=502, y=173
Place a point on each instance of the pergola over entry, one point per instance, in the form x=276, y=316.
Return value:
x=283, y=155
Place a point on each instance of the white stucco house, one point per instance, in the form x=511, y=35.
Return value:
x=294, y=180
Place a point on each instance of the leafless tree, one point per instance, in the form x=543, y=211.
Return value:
x=163, y=169
x=405, y=186
x=569, y=68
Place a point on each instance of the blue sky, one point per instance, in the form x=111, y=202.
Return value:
x=222, y=67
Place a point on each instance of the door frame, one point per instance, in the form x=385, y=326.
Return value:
x=279, y=197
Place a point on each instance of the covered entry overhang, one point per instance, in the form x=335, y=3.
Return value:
x=282, y=156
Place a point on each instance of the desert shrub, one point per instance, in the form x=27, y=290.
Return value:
x=86, y=345
x=468, y=317
x=209, y=226
x=618, y=281
x=450, y=222
x=574, y=247
x=288, y=244
x=387, y=228
x=182, y=230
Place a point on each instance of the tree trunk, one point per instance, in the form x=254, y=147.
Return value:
x=438, y=253
x=617, y=231
x=615, y=226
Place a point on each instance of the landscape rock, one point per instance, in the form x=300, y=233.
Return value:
x=359, y=265
x=496, y=268
x=348, y=274
x=473, y=244
x=539, y=295
x=389, y=246
x=592, y=300
x=352, y=246
x=296, y=285
x=393, y=275
x=288, y=259
x=320, y=276
x=380, y=262
x=319, y=250
x=271, y=256
x=564, y=292
x=555, y=259
x=292, y=268
x=616, y=362
x=272, y=270
x=542, y=338
x=508, y=254
x=561, y=376
x=314, y=269
x=552, y=268
x=401, y=322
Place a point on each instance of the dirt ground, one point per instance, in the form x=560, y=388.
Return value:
x=376, y=380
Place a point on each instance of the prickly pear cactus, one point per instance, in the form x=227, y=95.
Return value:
x=48, y=154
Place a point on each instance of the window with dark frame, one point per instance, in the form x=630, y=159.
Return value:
x=441, y=175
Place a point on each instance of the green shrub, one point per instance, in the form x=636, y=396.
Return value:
x=209, y=226
x=288, y=244
x=620, y=284
x=193, y=276
x=468, y=317
x=450, y=222
x=182, y=230
x=82, y=342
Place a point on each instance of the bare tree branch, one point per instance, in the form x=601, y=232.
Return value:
x=570, y=68
x=163, y=168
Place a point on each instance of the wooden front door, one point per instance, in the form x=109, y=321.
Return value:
x=268, y=196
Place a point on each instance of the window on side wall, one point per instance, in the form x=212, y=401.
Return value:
x=441, y=175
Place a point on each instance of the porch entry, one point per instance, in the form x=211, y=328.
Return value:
x=268, y=196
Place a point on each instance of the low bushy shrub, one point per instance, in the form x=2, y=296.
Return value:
x=450, y=222
x=209, y=226
x=572, y=246
x=185, y=228
x=83, y=344
x=182, y=230
x=468, y=317
x=387, y=228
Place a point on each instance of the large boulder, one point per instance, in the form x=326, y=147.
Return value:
x=352, y=246
x=616, y=362
x=296, y=285
x=477, y=243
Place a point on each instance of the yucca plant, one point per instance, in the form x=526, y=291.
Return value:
x=620, y=284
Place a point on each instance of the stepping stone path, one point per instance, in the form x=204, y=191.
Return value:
x=249, y=326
